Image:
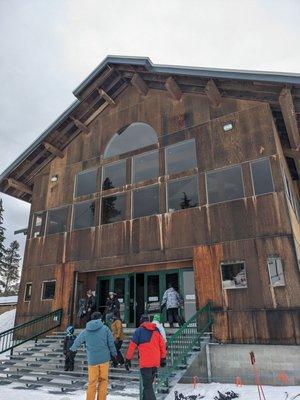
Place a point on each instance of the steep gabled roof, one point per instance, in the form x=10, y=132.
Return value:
x=114, y=74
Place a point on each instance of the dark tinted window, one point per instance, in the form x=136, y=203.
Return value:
x=146, y=201
x=84, y=215
x=86, y=182
x=113, y=208
x=135, y=136
x=181, y=157
x=114, y=175
x=38, y=224
x=57, y=220
x=262, y=177
x=145, y=166
x=225, y=184
x=27, y=295
x=183, y=193
x=48, y=290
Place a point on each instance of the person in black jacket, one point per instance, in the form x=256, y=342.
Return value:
x=68, y=343
x=90, y=303
x=112, y=307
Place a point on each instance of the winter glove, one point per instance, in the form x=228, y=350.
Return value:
x=163, y=362
x=114, y=362
x=127, y=364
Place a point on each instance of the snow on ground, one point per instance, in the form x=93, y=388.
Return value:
x=9, y=300
x=209, y=391
x=7, y=321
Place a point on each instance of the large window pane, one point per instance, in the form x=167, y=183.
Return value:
x=181, y=157
x=183, y=193
x=145, y=166
x=225, y=184
x=146, y=201
x=113, y=208
x=38, y=224
x=57, y=220
x=48, y=291
x=86, y=182
x=84, y=215
x=262, y=177
x=114, y=175
x=135, y=136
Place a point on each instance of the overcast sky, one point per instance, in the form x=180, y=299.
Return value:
x=47, y=47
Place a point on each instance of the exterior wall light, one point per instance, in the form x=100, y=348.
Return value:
x=54, y=178
x=228, y=127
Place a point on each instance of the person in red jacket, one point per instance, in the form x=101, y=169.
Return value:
x=152, y=354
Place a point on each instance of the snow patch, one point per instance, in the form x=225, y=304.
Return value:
x=9, y=300
x=7, y=320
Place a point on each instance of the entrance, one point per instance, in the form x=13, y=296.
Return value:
x=143, y=292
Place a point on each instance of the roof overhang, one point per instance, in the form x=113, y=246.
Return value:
x=112, y=76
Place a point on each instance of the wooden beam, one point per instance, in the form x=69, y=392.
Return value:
x=289, y=116
x=139, y=84
x=54, y=150
x=295, y=154
x=80, y=125
x=173, y=88
x=106, y=97
x=19, y=186
x=213, y=93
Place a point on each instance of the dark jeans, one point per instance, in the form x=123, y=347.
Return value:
x=148, y=376
x=173, y=316
x=69, y=361
x=120, y=357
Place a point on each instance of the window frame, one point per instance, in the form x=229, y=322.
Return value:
x=252, y=177
x=222, y=169
x=123, y=160
x=42, y=291
x=26, y=284
x=139, y=156
x=176, y=144
x=111, y=195
x=280, y=283
x=75, y=196
x=232, y=263
x=140, y=189
x=180, y=179
x=73, y=215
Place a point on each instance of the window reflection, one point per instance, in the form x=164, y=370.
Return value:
x=135, y=136
x=57, y=220
x=183, y=193
x=86, y=182
x=145, y=166
x=113, y=208
x=181, y=157
x=84, y=215
x=114, y=175
x=146, y=201
x=262, y=177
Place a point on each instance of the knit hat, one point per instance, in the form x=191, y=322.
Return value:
x=145, y=318
x=156, y=317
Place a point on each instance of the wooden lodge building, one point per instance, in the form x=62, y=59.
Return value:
x=158, y=175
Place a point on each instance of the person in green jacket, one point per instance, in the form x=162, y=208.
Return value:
x=100, y=348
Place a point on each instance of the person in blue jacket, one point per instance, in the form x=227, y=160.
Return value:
x=100, y=348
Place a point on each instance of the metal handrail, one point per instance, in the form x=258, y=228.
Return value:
x=20, y=334
x=181, y=344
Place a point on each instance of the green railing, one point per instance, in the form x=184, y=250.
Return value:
x=180, y=345
x=29, y=330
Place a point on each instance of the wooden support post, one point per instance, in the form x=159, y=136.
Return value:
x=173, y=88
x=54, y=150
x=139, y=84
x=213, y=93
x=289, y=116
x=106, y=97
x=80, y=125
x=19, y=186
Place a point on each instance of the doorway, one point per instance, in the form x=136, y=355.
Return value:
x=140, y=293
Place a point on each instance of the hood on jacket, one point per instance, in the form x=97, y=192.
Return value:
x=149, y=326
x=94, y=325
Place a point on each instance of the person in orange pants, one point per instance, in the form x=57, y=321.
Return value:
x=100, y=347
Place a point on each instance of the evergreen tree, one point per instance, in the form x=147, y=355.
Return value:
x=10, y=270
x=186, y=202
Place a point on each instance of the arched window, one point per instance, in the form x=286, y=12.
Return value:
x=133, y=137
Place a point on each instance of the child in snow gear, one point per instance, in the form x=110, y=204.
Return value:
x=69, y=355
x=152, y=354
x=160, y=327
x=100, y=348
x=118, y=334
x=172, y=301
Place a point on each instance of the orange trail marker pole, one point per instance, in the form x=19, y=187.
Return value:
x=261, y=393
x=238, y=381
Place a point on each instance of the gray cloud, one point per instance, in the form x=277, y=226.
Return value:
x=48, y=47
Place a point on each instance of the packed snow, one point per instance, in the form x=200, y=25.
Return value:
x=209, y=391
x=7, y=320
x=9, y=300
